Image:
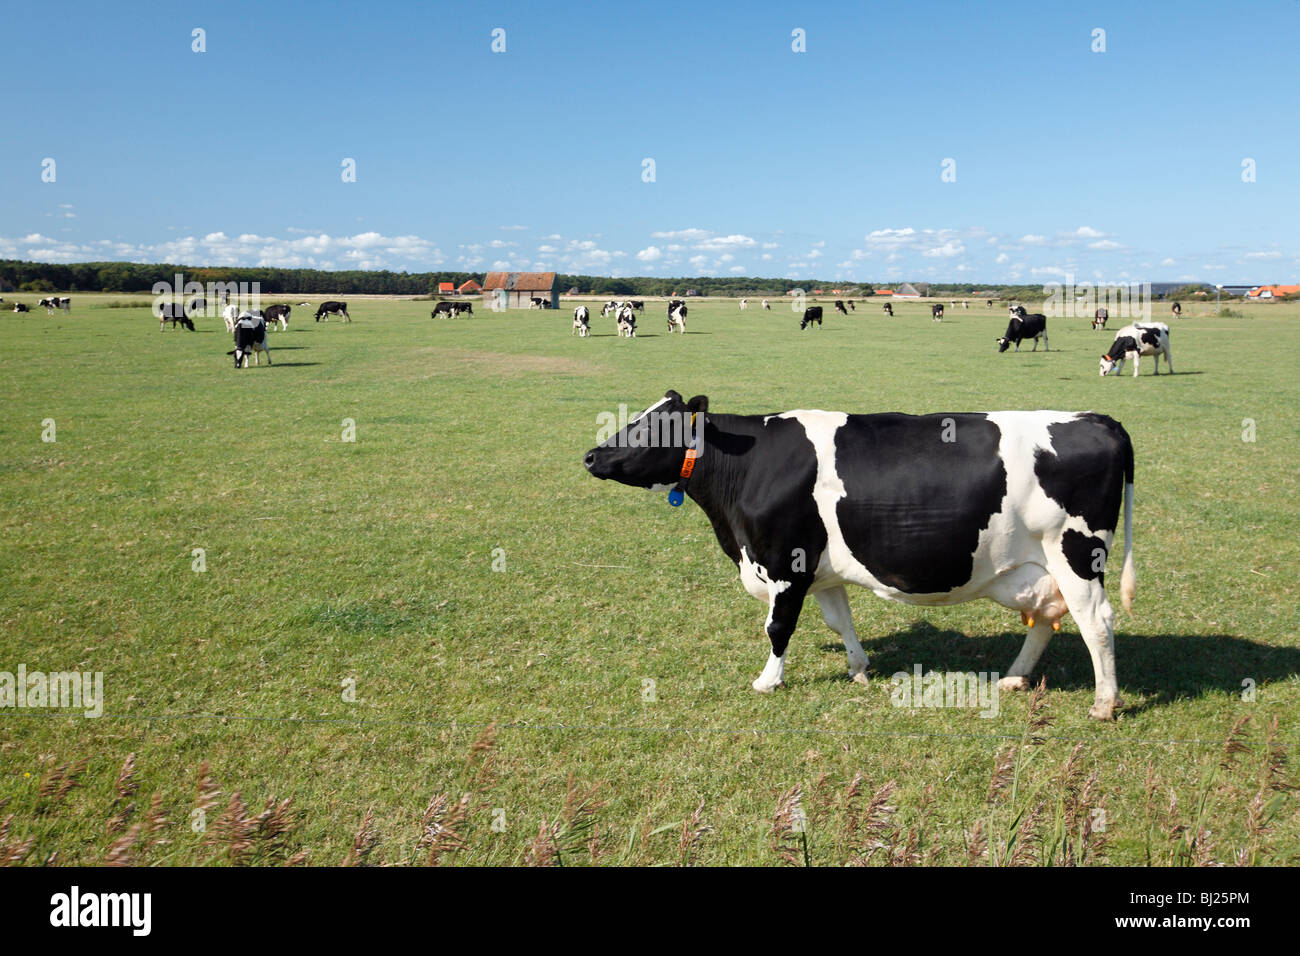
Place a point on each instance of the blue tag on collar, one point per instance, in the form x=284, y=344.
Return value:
x=675, y=497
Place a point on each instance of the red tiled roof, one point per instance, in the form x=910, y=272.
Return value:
x=519, y=281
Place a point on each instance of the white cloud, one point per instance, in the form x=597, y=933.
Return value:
x=1104, y=244
x=951, y=248
x=1032, y=240
x=1087, y=232
x=512, y=228
x=1002, y=257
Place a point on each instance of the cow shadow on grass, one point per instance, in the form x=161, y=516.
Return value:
x=1161, y=667
x=294, y=364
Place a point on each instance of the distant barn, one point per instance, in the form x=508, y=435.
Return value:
x=469, y=287
x=516, y=290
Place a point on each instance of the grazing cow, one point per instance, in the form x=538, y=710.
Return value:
x=1099, y=319
x=936, y=312
x=537, y=302
x=626, y=319
x=638, y=305
x=277, y=313
x=889, y=310
x=674, y=304
x=852, y=306
x=305, y=304
x=463, y=308
x=810, y=316
x=445, y=309
x=744, y=304
x=1176, y=309
x=767, y=306
x=65, y=304
x=230, y=314
x=19, y=307
x=677, y=320
x=1018, y=510
x=250, y=338
x=609, y=308
x=1134, y=341
x=965, y=304
x=581, y=322
x=54, y=302
x=196, y=306
x=333, y=308
x=988, y=303
x=174, y=313
x=1024, y=326
x=839, y=307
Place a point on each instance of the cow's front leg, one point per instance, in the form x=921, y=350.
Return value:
x=784, y=603
x=839, y=618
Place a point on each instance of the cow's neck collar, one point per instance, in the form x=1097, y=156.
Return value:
x=678, y=494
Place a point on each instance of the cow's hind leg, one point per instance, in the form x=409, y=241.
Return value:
x=1086, y=598
x=839, y=618
x=1040, y=633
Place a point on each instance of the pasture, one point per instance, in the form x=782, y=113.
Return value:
x=457, y=563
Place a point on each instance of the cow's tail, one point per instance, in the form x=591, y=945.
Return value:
x=1128, y=579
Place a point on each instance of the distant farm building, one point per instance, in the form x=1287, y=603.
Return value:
x=884, y=292
x=471, y=286
x=516, y=290
x=1272, y=291
x=446, y=288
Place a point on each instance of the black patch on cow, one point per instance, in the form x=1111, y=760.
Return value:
x=1151, y=337
x=1085, y=471
x=1081, y=551
x=1121, y=347
x=915, y=504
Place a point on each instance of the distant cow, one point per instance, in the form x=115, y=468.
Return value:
x=988, y=303
x=810, y=316
x=230, y=314
x=936, y=312
x=744, y=304
x=889, y=309
x=609, y=308
x=1099, y=319
x=1176, y=309
x=54, y=302
x=537, y=302
x=278, y=313
x=19, y=307
x=1024, y=326
x=852, y=307
x=637, y=304
x=839, y=307
x=677, y=320
x=445, y=309
x=767, y=305
x=673, y=304
x=250, y=338
x=333, y=308
x=626, y=321
x=174, y=313
x=581, y=322
x=1134, y=341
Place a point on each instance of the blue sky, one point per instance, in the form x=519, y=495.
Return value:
x=1116, y=165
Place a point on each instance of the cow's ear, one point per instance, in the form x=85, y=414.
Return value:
x=673, y=395
x=700, y=403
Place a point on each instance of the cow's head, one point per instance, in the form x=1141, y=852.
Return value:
x=1003, y=343
x=649, y=451
x=1120, y=348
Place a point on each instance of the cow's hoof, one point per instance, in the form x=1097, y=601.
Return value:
x=860, y=677
x=767, y=688
x=1012, y=685
x=1105, y=710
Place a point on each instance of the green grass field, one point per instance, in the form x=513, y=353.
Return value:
x=457, y=563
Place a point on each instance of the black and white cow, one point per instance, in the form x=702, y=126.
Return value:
x=626, y=319
x=230, y=315
x=445, y=309
x=1099, y=319
x=677, y=320
x=839, y=307
x=537, y=302
x=988, y=303
x=767, y=306
x=889, y=309
x=581, y=322
x=811, y=315
x=55, y=302
x=852, y=307
x=1024, y=326
x=744, y=304
x=1020, y=509
x=19, y=307
x=1176, y=309
x=936, y=312
x=174, y=313
x=637, y=304
x=1134, y=341
x=277, y=313
x=250, y=338
x=609, y=309
x=333, y=308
